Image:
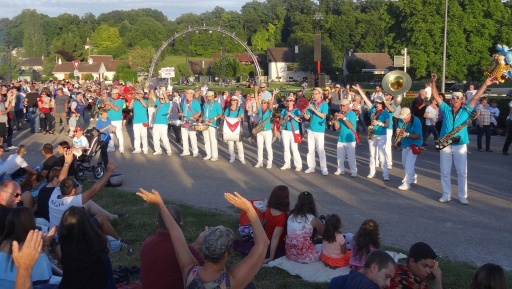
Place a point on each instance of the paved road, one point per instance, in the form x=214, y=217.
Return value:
x=479, y=233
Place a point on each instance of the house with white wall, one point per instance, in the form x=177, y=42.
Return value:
x=283, y=66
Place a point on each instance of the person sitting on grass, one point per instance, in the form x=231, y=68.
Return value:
x=159, y=265
x=216, y=248
x=15, y=165
x=377, y=271
x=489, y=276
x=421, y=266
x=30, y=187
x=366, y=240
x=334, y=251
x=278, y=206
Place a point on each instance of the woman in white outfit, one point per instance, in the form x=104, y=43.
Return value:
x=234, y=110
x=290, y=118
x=264, y=138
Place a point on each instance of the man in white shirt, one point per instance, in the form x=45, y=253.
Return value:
x=14, y=163
x=428, y=89
x=69, y=194
x=470, y=93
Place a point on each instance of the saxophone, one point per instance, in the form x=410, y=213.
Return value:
x=259, y=128
x=398, y=136
x=450, y=137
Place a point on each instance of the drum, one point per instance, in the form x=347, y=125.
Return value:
x=177, y=122
x=231, y=130
x=200, y=127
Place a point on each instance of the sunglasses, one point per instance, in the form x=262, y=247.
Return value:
x=289, y=101
x=234, y=100
x=160, y=98
x=16, y=195
x=457, y=97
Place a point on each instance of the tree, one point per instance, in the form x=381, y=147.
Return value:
x=106, y=37
x=140, y=58
x=69, y=46
x=33, y=40
x=146, y=29
x=225, y=66
x=124, y=72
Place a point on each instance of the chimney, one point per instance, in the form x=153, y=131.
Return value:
x=90, y=60
x=60, y=61
x=350, y=52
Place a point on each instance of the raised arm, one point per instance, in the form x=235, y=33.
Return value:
x=362, y=93
x=435, y=93
x=185, y=258
x=243, y=272
x=68, y=158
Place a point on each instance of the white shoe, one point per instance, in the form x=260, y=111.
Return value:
x=258, y=165
x=298, y=169
x=387, y=178
x=404, y=187
x=285, y=167
x=463, y=201
x=242, y=161
x=353, y=175
x=337, y=172
x=445, y=198
x=12, y=147
x=231, y=160
x=214, y=159
x=145, y=152
x=121, y=151
x=207, y=158
x=325, y=172
x=195, y=155
x=269, y=165
x=310, y=170
x=111, y=150
x=370, y=175
x=157, y=153
x=184, y=154
x=136, y=152
x=169, y=154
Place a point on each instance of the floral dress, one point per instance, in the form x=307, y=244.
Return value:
x=299, y=247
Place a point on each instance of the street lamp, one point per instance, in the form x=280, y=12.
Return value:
x=443, y=78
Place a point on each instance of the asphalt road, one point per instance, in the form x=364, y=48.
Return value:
x=479, y=233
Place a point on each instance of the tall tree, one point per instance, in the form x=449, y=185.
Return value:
x=34, y=41
x=106, y=37
x=140, y=58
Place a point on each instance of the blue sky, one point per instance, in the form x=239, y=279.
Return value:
x=171, y=8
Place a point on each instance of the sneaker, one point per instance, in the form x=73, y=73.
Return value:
x=423, y=148
x=121, y=151
x=445, y=198
x=184, y=154
x=231, y=160
x=111, y=150
x=309, y=171
x=145, y=152
x=214, y=159
x=258, y=165
x=12, y=147
x=489, y=151
x=298, y=169
x=242, y=161
x=404, y=187
x=195, y=155
x=269, y=165
x=136, y=152
x=353, y=175
x=390, y=168
x=207, y=158
x=169, y=154
x=285, y=167
x=325, y=172
x=370, y=175
x=337, y=173
x=386, y=178
x=157, y=153
x=463, y=201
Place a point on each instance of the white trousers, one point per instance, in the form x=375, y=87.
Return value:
x=210, y=142
x=408, y=161
x=119, y=134
x=160, y=134
x=289, y=141
x=316, y=142
x=265, y=137
x=377, y=145
x=458, y=155
x=239, y=147
x=349, y=150
x=185, y=134
x=389, y=143
x=140, y=134
x=151, y=115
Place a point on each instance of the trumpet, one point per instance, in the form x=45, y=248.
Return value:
x=398, y=135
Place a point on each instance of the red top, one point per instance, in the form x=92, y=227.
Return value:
x=272, y=222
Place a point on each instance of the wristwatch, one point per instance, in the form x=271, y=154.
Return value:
x=66, y=163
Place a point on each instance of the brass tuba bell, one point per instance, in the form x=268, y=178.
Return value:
x=396, y=83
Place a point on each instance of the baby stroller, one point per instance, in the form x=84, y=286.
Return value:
x=90, y=160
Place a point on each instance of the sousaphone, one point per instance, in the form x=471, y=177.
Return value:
x=396, y=83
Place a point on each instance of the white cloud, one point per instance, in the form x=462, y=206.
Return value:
x=170, y=8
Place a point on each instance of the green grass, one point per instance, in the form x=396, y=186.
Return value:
x=140, y=223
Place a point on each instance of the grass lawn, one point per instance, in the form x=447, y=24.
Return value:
x=140, y=223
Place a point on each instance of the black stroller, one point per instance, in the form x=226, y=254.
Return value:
x=90, y=159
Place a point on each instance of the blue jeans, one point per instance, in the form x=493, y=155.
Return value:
x=486, y=129
x=33, y=116
x=508, y=140
x=430, y=129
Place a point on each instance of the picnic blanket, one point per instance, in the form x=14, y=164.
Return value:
x=316, y=271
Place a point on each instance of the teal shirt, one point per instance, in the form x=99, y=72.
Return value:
x=413, y=127
x=287, y=125
x=264, y=116
x=346, y=135
x=450, y=121
x=162, y=112
x=211, y=110
x=190, y=109
x=116, y=115
x=316, y=123
x=383, y=116
x=230, y=113
x=140, y=113
x=390, y=127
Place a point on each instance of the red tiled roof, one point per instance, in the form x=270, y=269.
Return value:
x=375, y=60
x=102, y=58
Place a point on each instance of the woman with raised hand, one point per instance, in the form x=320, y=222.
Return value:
x=216, y=248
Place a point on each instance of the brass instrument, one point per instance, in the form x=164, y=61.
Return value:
x=396, y=83
x=499, y=68
x=398, y=136
x=259, y=128
x=450, y=137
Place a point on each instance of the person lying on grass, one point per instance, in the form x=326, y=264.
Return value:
x=216, y=248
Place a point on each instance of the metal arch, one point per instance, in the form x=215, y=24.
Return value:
x=192, y=29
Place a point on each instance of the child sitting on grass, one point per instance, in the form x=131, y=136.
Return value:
x=366, y=241
x=334, y=251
